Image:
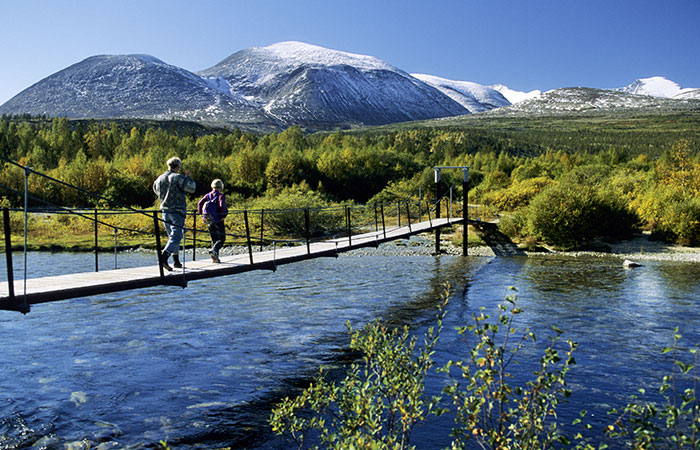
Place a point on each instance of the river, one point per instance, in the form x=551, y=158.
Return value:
x=200, y=367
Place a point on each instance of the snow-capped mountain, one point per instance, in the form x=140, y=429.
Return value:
x=473, y=96
x=322, y=88
x=660, y=87
x=575, y=100
x=292, y=83
x=128, y=86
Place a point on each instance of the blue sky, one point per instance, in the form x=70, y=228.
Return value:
x=526, y=45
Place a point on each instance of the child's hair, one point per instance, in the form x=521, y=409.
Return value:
x=217, y=184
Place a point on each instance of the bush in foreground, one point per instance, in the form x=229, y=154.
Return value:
x=378, y=403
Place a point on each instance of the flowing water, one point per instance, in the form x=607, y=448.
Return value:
x=202, y=366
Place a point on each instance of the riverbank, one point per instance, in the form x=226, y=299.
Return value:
x=638, y=249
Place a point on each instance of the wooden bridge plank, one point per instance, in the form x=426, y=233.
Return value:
x=62, y=287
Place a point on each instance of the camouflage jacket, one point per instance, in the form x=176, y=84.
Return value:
x=170, y=188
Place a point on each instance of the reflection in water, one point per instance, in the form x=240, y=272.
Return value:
x=679, y=278
x=202, y=366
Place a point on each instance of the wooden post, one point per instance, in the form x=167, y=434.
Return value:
x=347, y=222
x=97, y=268
x=8, y=253
x=247, y=235
x=157, y=228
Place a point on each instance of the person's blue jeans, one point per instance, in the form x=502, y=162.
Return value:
x=174, y=226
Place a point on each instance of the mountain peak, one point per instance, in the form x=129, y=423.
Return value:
x=653, y=86
x=473, y=96
x=299, y=53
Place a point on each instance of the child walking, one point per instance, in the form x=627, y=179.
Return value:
x=213, y=209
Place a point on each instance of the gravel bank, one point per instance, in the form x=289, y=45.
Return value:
x=641, y=248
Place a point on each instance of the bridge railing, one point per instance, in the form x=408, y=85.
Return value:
x=245, y=228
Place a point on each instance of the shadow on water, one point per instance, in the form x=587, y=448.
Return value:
x=246, y=426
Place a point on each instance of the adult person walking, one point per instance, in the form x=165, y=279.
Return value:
x=213, y=209
x=171, y=187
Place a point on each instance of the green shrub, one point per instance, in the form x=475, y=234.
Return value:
x=680, y=221
x=568, y=215
x=517, y=195
x=380, y=400
x=285, y=212
x=491, y=411
x=513, y=225
x=377, y=404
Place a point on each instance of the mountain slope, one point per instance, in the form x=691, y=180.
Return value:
x=130, y=86
x=292, y=83
x=301, y=83
x=473, y=96
x=574, y=100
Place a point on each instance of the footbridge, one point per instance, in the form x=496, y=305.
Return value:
x=265, y=239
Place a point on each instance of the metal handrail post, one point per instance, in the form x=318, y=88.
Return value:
x=158, y=249
x=247, y=235
x=308, y=231
x=450, y=211
x=408, y=215
x=398, y=214
x=383, y=224
x=420, y=204
x=8, y=253
x=115, y=247
x=430, y=219
x=194, y=235
x=376, y=219
x=27, y=172
x=97, y=263
x=262, y=236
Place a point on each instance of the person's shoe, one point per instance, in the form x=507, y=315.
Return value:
x=176, y=262
x=214, y=257
x=164, y=261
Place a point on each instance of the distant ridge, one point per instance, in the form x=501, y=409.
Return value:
x=293, y=83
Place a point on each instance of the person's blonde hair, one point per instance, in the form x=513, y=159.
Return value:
x=174, y=162
x=217, y=184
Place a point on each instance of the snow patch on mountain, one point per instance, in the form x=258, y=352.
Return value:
x=296, y=53
x=473, y=96
x=514, y=96
x=659, y=87
x=688, y=94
